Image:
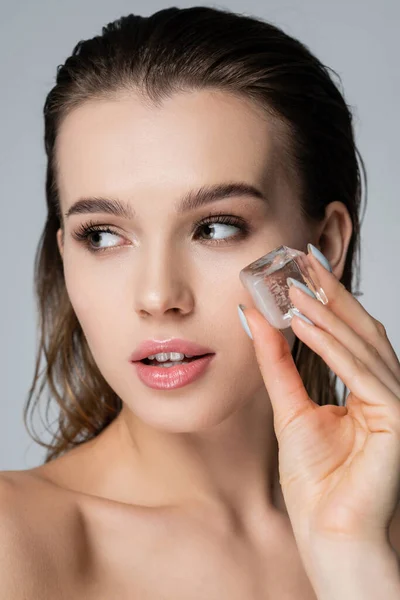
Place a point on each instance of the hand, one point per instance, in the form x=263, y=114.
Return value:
x=339, y=465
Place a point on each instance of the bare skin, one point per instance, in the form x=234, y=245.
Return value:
x=179, y=497
x=86, y=547
x=89, y=547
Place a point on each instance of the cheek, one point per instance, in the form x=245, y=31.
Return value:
x=95, y=304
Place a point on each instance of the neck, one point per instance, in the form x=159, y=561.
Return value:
x=232, y=467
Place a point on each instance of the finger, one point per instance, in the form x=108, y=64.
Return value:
x=324, y=318
x=350, y=310
x=351, y=370
x=285, y=387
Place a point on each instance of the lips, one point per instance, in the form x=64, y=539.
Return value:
x=172, y=378
x=171, y=345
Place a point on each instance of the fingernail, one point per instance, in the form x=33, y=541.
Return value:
x=290, y=281
x=319, y=256
x=297, y=313
x=243, y=320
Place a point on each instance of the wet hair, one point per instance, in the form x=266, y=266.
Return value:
x=156, y=57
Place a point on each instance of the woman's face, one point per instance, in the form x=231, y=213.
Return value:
x=161, y=273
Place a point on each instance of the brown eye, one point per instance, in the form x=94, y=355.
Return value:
x=222, y=223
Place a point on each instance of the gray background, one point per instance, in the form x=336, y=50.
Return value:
x=357, y=38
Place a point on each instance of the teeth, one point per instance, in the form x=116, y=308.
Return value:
x=169, y=356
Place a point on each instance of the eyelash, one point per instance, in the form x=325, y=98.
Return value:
x=86, y=229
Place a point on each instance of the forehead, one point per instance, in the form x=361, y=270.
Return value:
x=115, y=146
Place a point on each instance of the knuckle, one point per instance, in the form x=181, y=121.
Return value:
x=380, y=328
x=360, y=367
x=372, y=350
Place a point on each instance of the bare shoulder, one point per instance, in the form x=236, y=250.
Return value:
x=13, y=520
x=19, y=573
x=36, y=526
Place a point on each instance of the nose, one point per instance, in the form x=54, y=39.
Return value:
x=163, y=287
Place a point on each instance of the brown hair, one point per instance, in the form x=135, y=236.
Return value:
x=156, y=56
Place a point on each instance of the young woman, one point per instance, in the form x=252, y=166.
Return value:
x=181, y=147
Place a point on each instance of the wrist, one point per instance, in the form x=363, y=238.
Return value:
x=354, y=569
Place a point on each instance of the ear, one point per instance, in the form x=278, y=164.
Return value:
x=334, y=234
x=60, y=242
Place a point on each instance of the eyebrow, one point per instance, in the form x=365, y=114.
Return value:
x=190, y=201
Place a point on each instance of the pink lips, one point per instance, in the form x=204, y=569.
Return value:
x=167, y=378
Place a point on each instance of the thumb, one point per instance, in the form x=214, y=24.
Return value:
x=286, y=390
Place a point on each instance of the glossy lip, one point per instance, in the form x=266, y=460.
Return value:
x=168, y=378
x=171, y=345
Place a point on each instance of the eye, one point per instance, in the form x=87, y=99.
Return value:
x=226, y=222
x=85, y=231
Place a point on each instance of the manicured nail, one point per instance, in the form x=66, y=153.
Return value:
x=319, y=256
x=290, y=281
x=297, y=313
x=243, y=320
